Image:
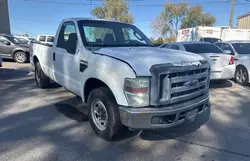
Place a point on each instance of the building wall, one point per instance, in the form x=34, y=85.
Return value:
x=244, y=22
x=4, y=17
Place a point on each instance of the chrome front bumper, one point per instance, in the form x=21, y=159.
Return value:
x=163, y=117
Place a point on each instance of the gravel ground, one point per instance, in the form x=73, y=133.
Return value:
x=49, y=125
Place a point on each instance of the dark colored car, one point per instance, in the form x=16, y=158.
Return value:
x=11, y=47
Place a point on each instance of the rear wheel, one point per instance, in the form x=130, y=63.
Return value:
x=20, y=57
x=241, y=76
x=104, y=113
x=42, y=80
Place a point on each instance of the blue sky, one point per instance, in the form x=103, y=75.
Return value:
x=28, y=16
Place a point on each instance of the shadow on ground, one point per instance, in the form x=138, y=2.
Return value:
x=220, y=84
x=6, y=74
x=178, y=131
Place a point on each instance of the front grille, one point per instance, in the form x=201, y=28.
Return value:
x=177, y=84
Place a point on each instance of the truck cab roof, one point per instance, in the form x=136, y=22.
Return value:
x=91, y=19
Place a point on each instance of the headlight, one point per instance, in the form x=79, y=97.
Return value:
x=137, y=91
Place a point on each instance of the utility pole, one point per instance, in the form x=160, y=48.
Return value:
x=232, y=14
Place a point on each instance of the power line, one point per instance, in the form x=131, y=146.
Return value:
x=131, y=5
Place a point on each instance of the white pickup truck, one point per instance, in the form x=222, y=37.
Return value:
x=113, y=67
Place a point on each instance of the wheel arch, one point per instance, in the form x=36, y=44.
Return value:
x=93, y=83
x=17, y=50
x=35, y=59
x=243, y=66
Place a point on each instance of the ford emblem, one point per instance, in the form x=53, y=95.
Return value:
x=191, y=83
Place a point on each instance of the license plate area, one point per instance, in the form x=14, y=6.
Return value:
x=191, y=115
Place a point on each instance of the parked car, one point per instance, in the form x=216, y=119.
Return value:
x=1, y=61
x=46, y=39
x=11, y=47
x=222, y=65
x=241, y=51
x=26, y=40
x=123, y=78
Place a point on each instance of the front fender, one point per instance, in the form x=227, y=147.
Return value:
x=112, y=72
x=17, y=49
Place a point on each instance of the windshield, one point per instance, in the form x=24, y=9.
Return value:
x=111, y=34
x=14, y=40
x=242, y=48
x=202, y=48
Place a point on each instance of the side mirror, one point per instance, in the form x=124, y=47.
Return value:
x=6, y=42
x=227, y=52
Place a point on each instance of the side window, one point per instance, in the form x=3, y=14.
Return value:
x=50, y=39
x=67, y=38
x=219, y=45
x=42, y=38
x=2, y=40
x=167, y=46
x=175, y=47
x=227, y=47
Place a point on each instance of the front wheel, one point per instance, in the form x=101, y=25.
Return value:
x=104, y=113
x=241, y=76
x=42, y=80
x=20, y=57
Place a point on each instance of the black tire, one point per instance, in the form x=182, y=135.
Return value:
x=20, y=57
x=241, y=71
x=42, y=80
x=106, y=97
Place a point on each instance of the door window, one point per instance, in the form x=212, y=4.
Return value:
x=67, y=38
x=219, y=44
x=50, y=39
x=42, y=38
x=175, y=47
x=228, y=47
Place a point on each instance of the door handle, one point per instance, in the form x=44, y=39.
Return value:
x=54, y=56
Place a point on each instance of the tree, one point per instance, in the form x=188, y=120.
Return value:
x=175, y=16
x=195, y=17
x=174, y=13
x=161, y=26
x=168, y=22
x=114, y=9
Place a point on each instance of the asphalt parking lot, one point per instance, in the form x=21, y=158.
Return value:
x=49, y=125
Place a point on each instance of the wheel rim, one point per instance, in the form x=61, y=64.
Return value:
x=241, y=76
x=20, y=57
x=99, y=114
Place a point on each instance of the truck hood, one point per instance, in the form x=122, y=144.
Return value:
x=141, y=59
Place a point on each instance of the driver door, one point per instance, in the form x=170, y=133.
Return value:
x=66, y=58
